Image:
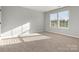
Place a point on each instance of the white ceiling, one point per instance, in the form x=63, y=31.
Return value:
x=42, y=8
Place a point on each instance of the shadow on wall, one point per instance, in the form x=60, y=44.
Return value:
x=23, y=29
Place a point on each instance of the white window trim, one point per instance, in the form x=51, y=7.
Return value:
x=59, y=24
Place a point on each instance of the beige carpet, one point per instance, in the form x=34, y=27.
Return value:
x=45, y=42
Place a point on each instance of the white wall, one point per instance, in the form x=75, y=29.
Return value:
x=0, y=20
x=73, y=22
x=14, y=16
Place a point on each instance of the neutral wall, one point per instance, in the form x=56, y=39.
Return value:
x=73, y=22
x=14, y=16
x=0, y=20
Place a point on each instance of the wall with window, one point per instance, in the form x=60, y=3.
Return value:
x=63, y=21
x=16, y=20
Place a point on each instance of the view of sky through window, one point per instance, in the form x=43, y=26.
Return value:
x=54, y=16
x=63, y=15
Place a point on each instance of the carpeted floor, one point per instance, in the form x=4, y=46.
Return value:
x=45, y=42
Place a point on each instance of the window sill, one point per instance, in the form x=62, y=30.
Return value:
x=64, y=28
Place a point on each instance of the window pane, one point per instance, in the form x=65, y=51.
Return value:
x=63, y=18
x=53, y=20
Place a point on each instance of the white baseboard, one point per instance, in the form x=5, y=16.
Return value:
x=65, y=34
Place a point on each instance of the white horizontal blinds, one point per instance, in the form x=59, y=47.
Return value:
x=53, y=20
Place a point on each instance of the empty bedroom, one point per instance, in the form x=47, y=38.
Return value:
x=39, y=29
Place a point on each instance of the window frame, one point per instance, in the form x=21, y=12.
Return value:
x=59, y=27
x=50, y=21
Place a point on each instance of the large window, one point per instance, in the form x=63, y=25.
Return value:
x=59, y=20
x=53, y=20
x=63, y=18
